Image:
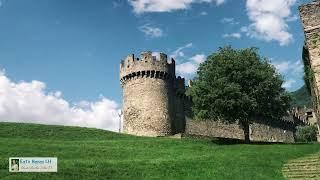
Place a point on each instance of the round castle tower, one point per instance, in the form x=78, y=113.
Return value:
x=148, y=94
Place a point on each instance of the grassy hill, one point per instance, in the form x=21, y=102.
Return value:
x=85, y=153
x=301, y=97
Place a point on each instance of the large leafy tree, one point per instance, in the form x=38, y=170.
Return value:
x=238, y=85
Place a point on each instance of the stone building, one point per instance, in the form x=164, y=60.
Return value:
x=155, y=104
x=310, y=17
x=153, y=97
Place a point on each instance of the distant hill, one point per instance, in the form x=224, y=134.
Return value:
x=301, y=98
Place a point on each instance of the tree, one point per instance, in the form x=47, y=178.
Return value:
x=306, y=133
x=238, y=85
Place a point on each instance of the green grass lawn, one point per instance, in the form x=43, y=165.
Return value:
x=85, y=153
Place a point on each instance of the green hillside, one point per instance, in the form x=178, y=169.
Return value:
x=301, y=97
x=85, y=153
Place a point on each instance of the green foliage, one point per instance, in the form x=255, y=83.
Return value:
x=85, y=153
x=308, y=73
x=306, y=133
x=301, y=98
x=238, y=85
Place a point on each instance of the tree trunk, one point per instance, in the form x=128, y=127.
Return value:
x=245, y=126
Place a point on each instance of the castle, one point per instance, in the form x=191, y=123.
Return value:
x=153, y=97
x=155, y=104
x=310, y=17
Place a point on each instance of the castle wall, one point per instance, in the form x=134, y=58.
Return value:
x=155, y=104
x=258, y=131
x=213, y=129
x=179, y=102
x=148, y=95
x=265, y=133
x=179, y=121
x=310, y=17
x=147, y=108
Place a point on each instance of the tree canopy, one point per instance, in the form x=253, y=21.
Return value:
x=238, y=85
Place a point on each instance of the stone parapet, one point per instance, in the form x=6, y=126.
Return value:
x=146, y=66
x=258, y=131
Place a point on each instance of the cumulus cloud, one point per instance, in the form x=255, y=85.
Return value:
x=187, y=68
x=190, y=67
x=285, y=67
x=289, y=83
x=269, y=20
x=151, y=31
x=144, y=6
x=198, y=58
x=292, y=72
x=232, y=35
x=29, y=102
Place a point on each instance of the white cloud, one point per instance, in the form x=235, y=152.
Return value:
x=151, y=31
x=219, y=2
x=203, y=13
x=178, y=52
x=29, y=102
x=285, y=67
x=186, y=65
x=143, y=6
x=232, y=35
x=269, y=20
x=292, y=18
x=187, y=68
x=289, y=83
x=230, y=21
x=198, y=58
x=190, y=67
x=292, y=71
x=282, y=67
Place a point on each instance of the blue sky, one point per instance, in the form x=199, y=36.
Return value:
x=74, y=47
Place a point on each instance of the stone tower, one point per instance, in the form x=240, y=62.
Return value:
x=310, y=17
x=149, y=91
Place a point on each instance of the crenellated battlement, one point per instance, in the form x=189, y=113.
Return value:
x=155, y=103
x=148, y=65
x=148, y=81
x=180, y=87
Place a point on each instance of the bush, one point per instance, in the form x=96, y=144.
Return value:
x=306, y=133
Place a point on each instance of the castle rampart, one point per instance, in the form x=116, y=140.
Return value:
x=147, y=66
x=259, y=131
x=155, y=104
x=179, y=102
x=310, y=17
x=148, y=94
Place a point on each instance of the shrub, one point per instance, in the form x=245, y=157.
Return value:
x=306, y=133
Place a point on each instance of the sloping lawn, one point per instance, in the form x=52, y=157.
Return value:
x=85, y=153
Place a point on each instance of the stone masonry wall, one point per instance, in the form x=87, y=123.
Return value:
x=258, y=131
x=146, y=107
x=265, y=133
x=213, y=129
x=155, y=104
x=310, y=17
x=310, y=14
x=148, y=94
x=179, y=102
